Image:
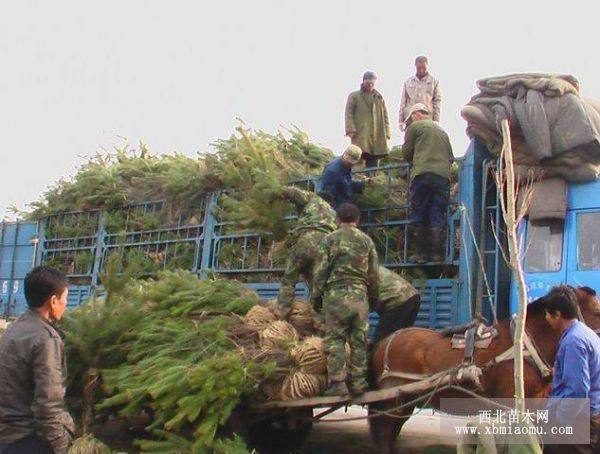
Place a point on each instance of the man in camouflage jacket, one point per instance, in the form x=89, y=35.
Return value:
x=316, y=219
x=346, y=283
x=398, y=303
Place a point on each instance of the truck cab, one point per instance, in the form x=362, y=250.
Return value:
x=554, y=251
x=563, y=252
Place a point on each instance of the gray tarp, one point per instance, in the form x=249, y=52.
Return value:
x=548, y=199
x=555, y=132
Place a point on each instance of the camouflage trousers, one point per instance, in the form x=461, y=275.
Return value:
x=303, y=251
x=346, y=322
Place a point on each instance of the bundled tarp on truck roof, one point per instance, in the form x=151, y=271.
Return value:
x=555, y=132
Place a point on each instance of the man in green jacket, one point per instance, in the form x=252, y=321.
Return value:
x=345, y=285
x=367, y=121
x=427, y=147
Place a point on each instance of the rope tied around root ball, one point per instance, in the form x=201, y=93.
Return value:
x=304, y=318
x=300, y=363
x=277, y=335
x=259, y=317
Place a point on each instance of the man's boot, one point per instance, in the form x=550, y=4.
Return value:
x=337, y=388
x=437, y=245
x=358, y=387
x=418, y=244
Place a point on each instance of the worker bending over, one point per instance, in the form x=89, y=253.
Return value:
x=346, y=283
x=427, y=147
x=337, y=177
x=398, y=303
x=315, y=220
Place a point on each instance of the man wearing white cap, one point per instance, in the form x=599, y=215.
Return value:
x=367, y=121
x=336, y=179
x=427, y=147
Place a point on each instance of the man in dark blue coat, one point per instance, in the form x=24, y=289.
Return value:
x=337, y=177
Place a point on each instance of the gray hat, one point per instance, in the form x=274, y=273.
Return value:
x=369, y=75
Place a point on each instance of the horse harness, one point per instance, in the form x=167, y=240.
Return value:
x=531, y=354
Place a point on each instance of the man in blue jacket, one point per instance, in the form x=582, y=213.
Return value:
x=576, y=367
x=337, y=177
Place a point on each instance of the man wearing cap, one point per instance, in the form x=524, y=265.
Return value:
x=427, y=147
x=337, y=177
x=367, y=121
x=421, y=88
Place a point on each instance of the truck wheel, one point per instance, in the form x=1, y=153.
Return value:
x=280, y=433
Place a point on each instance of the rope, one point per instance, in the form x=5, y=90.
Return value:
x=481, y=263
x=379, y=413
x=390, y=412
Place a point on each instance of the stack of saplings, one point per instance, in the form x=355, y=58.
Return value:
x=180, y=354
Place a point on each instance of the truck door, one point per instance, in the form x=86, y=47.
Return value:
x=583, y=255
x=545, y=253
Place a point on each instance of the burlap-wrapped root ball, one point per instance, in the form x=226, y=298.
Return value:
x=309, y=356
x=89, y=445
x=277, y=335
x=299, y=385
x=258, y=318
x=304, y=318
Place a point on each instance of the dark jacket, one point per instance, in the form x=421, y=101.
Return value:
x=337, y=180
x=32, y=384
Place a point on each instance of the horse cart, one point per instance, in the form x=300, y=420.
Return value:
x=285, y=424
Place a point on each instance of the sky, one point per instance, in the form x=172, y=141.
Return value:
x=81, y=76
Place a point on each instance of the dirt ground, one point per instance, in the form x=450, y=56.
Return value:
x=425, y=432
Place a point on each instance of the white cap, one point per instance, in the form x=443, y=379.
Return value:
x=418, y=107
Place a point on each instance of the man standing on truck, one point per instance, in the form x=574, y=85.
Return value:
x=398, y=303
x=427, y=147
x=422, y=88
x=336, y=179
x=345, y=285
x=316, y=219
x=33, y=418
x=576, y=367
x=367, y=122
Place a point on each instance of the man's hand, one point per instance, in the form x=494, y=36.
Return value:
x=370, y=181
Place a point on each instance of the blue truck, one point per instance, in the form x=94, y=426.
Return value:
x=475, y=280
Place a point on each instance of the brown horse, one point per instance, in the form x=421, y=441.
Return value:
x=424, y=351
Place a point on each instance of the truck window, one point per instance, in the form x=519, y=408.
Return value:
x=588, y=241
x=544, y=246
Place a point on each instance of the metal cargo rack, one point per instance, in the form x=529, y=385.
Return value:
x=162, y=237
x=156, y=235
x=70, y=244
